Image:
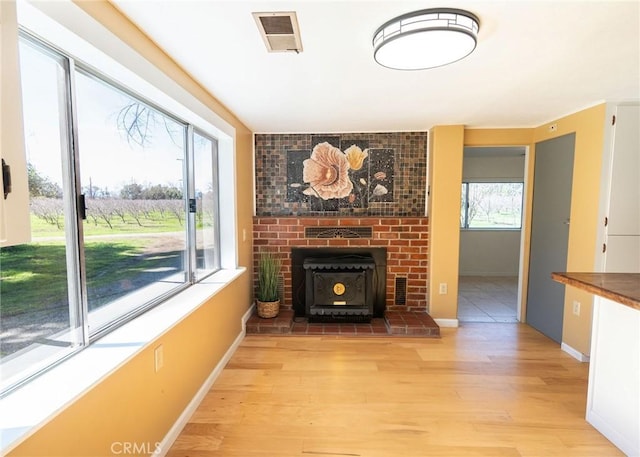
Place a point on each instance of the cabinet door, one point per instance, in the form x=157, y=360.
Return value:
x=623, y=254
x=624, y=200
x=614, y=374
x=14, y=212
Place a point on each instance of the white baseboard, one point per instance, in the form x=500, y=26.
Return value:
x=447, y=322
x=574, y=353
x=177, y=427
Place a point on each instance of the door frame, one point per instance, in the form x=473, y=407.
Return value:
x=525, y=231
x=525, y=235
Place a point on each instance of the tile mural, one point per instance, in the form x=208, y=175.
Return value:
x=359, y=174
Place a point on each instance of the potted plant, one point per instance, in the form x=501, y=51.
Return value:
x=267, y=299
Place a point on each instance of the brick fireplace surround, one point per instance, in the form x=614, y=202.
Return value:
x=405, y=239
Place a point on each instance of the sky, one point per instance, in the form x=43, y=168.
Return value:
x=106, y=157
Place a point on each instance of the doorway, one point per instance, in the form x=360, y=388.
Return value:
x=490, y=234
x=550, y=233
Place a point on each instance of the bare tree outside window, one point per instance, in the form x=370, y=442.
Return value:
x=491, y=205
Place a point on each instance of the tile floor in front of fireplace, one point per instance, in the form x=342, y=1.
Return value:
x=394, y=323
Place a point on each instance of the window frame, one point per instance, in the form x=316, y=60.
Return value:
x=123, y=318
x=464, y=200
x=74, y=231
x=216, y=201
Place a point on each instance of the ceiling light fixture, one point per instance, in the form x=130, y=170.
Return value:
x=426, y=39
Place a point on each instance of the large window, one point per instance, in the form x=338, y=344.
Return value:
x=491, y=205
x=124, y=212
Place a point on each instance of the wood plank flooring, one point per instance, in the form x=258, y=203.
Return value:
x=480, y=390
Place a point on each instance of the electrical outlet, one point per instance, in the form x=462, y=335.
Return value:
x=443, y=288
x=159, y=357
x=576, y=307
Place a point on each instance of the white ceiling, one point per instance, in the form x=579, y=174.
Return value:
x=535, y=61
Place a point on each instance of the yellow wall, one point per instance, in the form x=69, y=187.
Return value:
x=498, y=137
x=589, y=127
x=445, y=178
x=134, y=403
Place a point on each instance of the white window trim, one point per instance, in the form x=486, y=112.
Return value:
x=67, y=25
x=32, y=404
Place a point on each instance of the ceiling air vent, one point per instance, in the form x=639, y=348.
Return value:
x=279, y=31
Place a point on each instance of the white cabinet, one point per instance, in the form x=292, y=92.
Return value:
x=623, y=254
x=613, y=399
x=14, y=209
x=620, y=201
x=624, y=197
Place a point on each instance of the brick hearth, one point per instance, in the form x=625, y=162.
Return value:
x=395, y=323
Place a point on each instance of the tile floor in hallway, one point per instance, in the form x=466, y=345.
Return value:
x=487, y=299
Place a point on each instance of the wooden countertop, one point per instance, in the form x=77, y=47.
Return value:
x=620, y=287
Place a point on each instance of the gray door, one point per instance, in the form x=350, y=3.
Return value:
x=550, y=233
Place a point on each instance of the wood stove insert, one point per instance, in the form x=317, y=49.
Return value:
x=298, y=273
x=339, y=288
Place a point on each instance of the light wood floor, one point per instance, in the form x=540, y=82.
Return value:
x=480, y=390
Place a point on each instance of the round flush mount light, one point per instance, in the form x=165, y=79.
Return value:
x=426, y=39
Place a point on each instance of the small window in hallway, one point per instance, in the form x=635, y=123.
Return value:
x=494, y=205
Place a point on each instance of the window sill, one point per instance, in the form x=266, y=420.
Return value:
x=36, y=402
